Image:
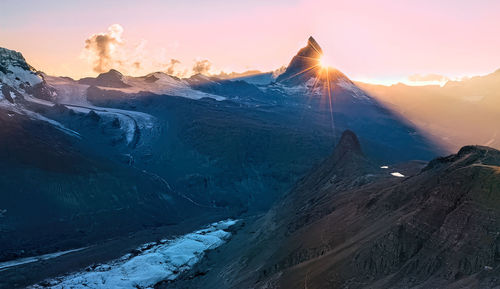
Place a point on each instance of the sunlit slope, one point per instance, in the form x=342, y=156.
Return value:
x=459, y=113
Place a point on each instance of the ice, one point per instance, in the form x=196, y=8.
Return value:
x=384, y=167
x=156, y=262
x=130, y=121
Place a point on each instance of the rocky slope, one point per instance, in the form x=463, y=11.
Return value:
x=437, y=229
x=350, y=224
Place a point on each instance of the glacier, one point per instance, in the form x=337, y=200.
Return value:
x=156, y=261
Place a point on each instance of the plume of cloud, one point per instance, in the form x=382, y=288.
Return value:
x=108, y=50
x=171, y=66
x=103, y=49
x=202, y=66
x=428, y=78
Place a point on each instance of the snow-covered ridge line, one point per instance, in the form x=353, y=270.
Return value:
x=155, y=262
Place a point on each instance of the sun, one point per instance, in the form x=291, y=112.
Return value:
x=324, y=62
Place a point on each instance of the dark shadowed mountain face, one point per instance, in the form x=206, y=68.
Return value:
x=56, y=194
x=364, y=228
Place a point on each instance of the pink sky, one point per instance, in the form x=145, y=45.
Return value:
x=378, y=41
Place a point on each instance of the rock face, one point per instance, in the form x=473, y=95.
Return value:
x=307, y=60
x=12, y=58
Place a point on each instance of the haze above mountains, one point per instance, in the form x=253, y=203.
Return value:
x=116, y=160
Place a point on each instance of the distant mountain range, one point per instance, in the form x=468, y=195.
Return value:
x=90, y=160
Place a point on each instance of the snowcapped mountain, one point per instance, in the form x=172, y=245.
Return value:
x=344, y=105
x=22, y=89
x=156, y=83
x=15, y=71
x=120, y=101
x=18, y=79
x=305, y=75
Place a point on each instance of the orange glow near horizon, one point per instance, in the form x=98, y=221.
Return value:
x=379, y=42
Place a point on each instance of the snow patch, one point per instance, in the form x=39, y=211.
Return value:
x=155, y=262
x=19, y=76
x=397, y=174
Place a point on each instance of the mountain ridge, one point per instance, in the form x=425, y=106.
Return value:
x=436, y=228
